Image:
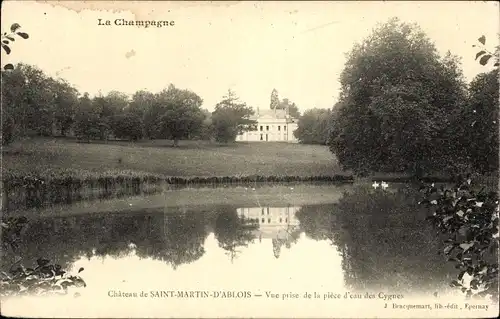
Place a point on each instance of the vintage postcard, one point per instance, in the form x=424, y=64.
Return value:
x=249, y=159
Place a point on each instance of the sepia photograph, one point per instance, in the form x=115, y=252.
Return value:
x=250, y=159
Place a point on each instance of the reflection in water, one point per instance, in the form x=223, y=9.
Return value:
x=277, y=223
x=383, y=238
x=377, y=239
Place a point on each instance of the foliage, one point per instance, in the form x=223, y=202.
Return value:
x=313, y=126
x=485, y=55
x=181, y=115
x=88, y=124
x=275, y=101
x=36, y=103
x=126, y=126
x=7, y=38
x=285, y=104
x=292, y=108
x=477, y=125
x=469, y=219
x=396, y=98
x=230, y=118
x=65, y=103
x=45, y=278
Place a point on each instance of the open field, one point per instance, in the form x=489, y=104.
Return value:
x=63, y=157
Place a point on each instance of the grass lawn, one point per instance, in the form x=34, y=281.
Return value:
x=59, y=156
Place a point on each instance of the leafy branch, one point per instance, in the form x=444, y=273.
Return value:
x=8, y=38
x=469, y=220
x=484, y=55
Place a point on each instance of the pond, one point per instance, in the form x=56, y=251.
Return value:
x=251, y=252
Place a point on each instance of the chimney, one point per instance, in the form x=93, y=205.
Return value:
x=257, y=111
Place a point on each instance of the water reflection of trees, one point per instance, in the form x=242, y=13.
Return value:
x=383, y=238
x=176, y=237
x=292, y=235
x=233, y=231
x=173, y=238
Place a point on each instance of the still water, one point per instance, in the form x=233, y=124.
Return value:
x=191, y=259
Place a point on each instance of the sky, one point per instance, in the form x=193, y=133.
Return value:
x=298, y=48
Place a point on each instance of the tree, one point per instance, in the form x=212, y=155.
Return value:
x=206, y=131
x=65, y=103
x=285, y=104
x=230, y=118
x=397, y=98
x=292, y=108
x=142, y=104
x=313, y=126
x=39, y=98
x=181, y=115
x=275, y=101
x=480, y=130
x=13, y=104
x=88, y=124
x=126, y=126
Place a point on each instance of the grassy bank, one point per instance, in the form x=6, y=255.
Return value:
x=261, y=195
x=56, y=158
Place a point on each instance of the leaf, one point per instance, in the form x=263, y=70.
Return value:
x=6, y=48
x=480, y=53
x=496, y=64
x=80, y=270
x=11, y=38
x=466, y=246
x=14, y=27
x=482, y=39
x=23, y=35
x=8, y=66
x=5, y=41
x=484, y=60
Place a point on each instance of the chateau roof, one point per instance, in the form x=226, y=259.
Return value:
x=270, y=114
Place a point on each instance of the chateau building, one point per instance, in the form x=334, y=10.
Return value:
x=272, y=126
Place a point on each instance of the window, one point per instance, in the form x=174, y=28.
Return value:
x=284, y=128
x=286, y=220
x=279, y=128
x=269, y=220
x=267, y=127
x=262, y=211
x=268, y=210
x=281, y=219
x=263, y=220
x=261, y=127
x=261, y=138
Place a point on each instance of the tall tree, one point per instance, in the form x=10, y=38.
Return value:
x=230, y=118
x=88, y=124
x=396, y=98
x=275, y=101
x=65, y=103
x=181, y=113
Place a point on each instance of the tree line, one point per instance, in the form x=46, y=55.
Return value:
x=37, y=104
